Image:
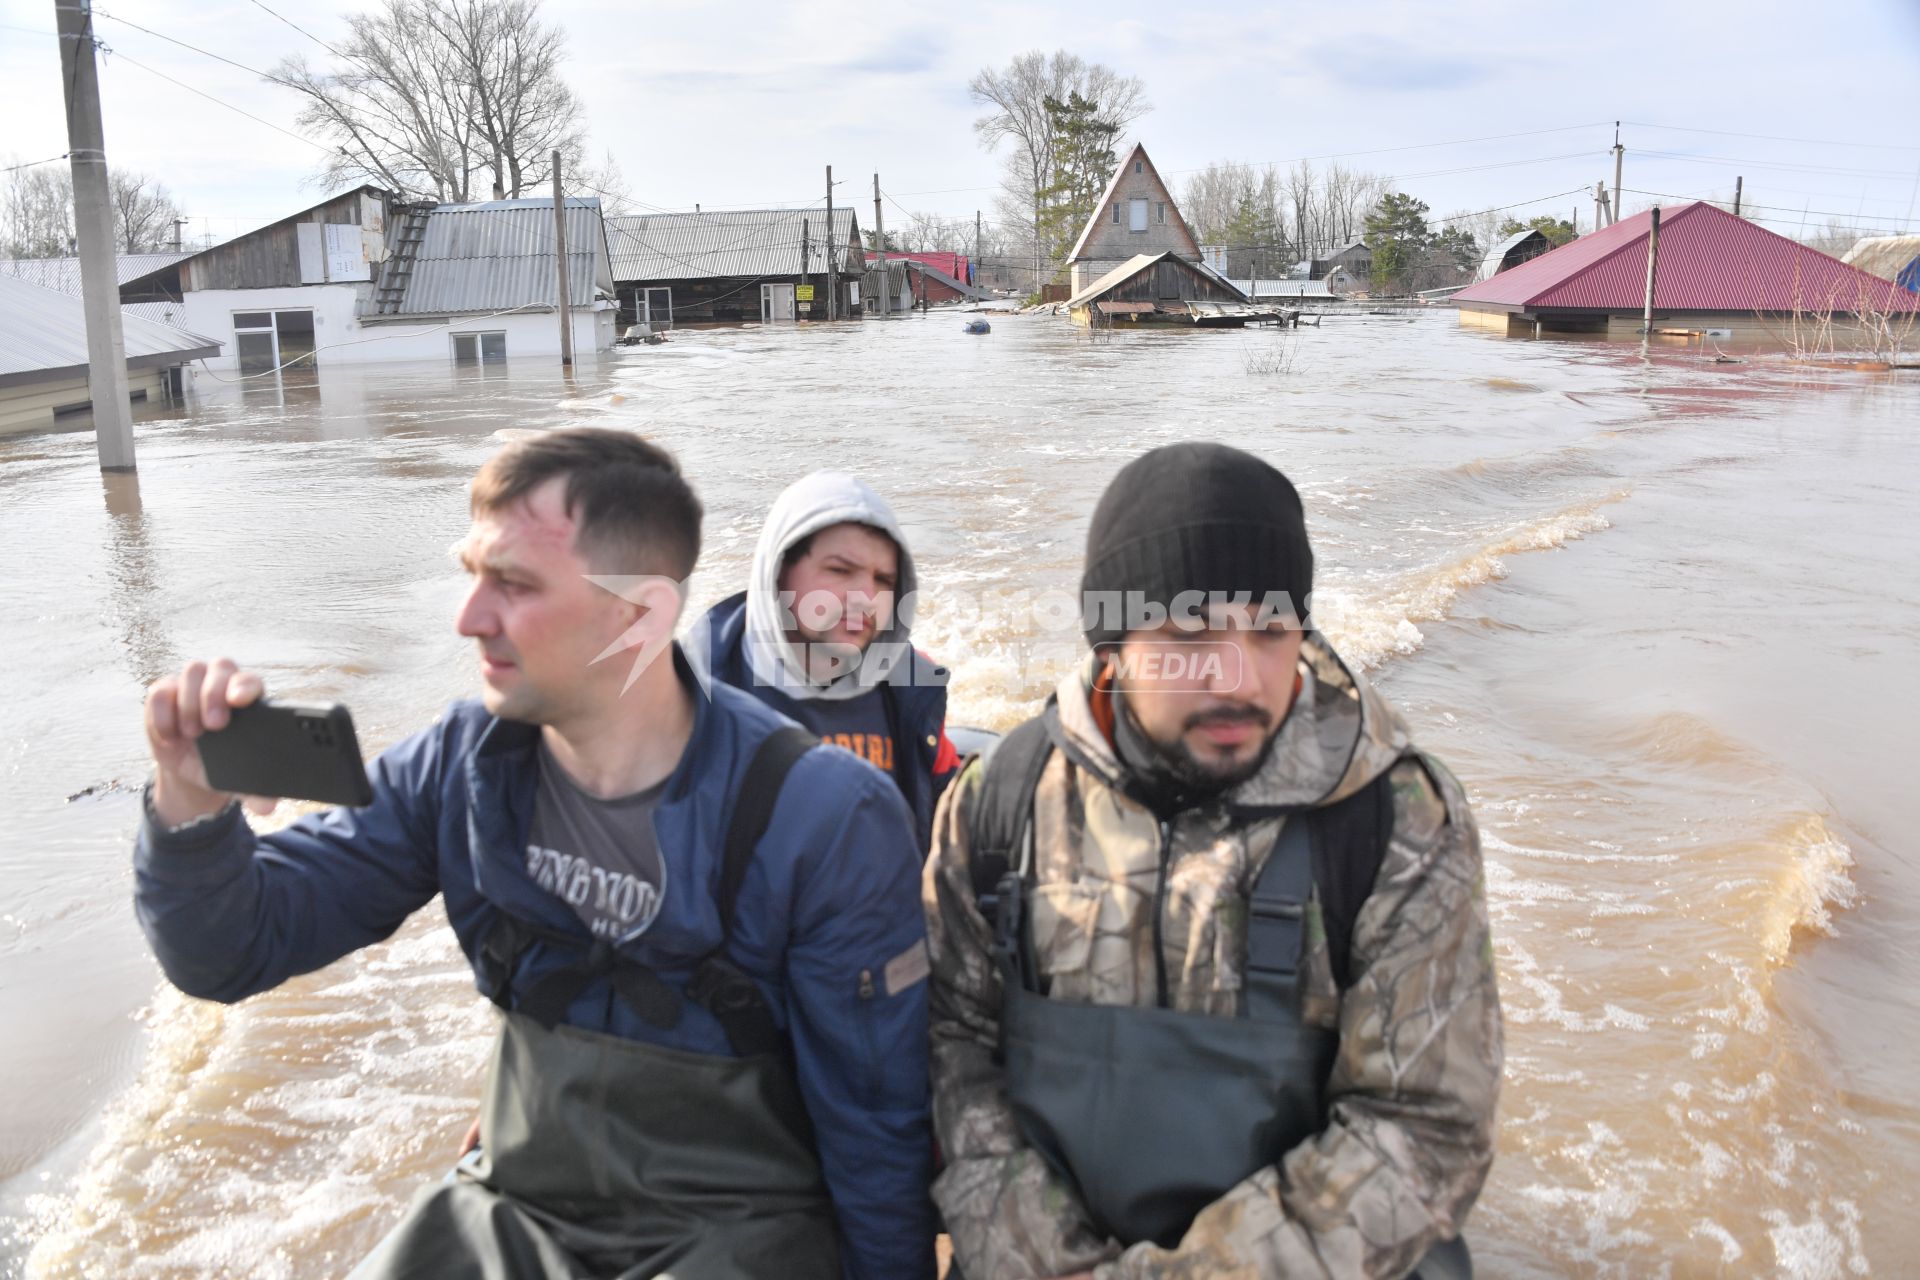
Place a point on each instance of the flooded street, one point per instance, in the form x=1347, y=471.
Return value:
x=1661, y=616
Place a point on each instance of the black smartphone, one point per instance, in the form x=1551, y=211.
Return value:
x=290, y=750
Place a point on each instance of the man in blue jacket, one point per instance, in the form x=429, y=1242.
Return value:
x=822, y=634
x=713, y=1056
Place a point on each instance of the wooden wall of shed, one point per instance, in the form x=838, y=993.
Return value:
x=731, y=298
x=1170, y=280
x=268, y=258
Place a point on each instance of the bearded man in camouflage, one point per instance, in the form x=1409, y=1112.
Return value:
x=1213, y=992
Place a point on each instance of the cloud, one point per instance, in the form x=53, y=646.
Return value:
x=1387, y=65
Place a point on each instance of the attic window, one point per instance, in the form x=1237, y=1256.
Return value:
x=1136, y=215
x=1116, y=213
x=1136, y=166
x=1163, y=213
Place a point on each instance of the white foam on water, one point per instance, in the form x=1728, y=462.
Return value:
x=1371, y=626
x=1818, y=1249
x=1730, y=1250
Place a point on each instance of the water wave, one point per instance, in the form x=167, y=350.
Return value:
x=1371, y=626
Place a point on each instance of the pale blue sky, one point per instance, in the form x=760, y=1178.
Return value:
x=734, y=104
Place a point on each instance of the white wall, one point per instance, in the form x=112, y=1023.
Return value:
x=343, y=339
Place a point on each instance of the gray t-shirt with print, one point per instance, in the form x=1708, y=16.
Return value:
x=600, y=857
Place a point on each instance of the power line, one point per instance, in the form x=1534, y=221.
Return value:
x=1770, y=137
x=1834, y=170
x=13, y=168
x=101, y=13
x=1776, y=208
x=228, y=105
x=303, y=31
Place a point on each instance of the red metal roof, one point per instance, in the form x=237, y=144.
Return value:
x=1710, y=260
x=954, y=264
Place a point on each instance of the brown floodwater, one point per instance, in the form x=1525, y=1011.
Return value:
x=1661, y=615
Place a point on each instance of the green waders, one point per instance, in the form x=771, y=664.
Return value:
x=611, y=1158
x=605, y=1157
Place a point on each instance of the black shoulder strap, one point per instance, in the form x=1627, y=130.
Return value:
x=719, y=985
x=1349, y=844
x=1004, y=804
x=753, y=810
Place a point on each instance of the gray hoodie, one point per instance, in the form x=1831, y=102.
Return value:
x=809, y=505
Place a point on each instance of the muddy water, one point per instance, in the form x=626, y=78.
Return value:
x=1660, y=615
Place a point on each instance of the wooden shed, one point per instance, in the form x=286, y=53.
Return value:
x=1161, y=288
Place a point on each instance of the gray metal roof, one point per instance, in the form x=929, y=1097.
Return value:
x=43, y=335
x=498, y=256
x=64, y=273
x=1269, y=288
x=1495, y=261
x=726, y=243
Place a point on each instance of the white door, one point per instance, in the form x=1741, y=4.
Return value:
x=776, y=302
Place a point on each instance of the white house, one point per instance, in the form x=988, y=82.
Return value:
x=362, y=277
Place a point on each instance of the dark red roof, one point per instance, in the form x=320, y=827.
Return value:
x=954, y=264
x=1710, y=260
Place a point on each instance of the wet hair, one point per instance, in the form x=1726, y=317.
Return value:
x=636, y=513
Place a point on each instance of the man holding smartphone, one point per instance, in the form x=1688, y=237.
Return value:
x=681, y=907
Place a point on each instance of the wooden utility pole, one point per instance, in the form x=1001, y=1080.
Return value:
x=973, y=268
x=833, y=283
x=1619, y=154
x=1736, y=195
x=806, y=266
x=93, y=223
x=880, y=246
x=560, y=256
x=1653, y=261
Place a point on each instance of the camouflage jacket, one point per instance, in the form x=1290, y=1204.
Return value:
x=1409, y=1138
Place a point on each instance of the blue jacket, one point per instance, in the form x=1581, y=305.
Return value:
x=916, y=711
x=831, y=898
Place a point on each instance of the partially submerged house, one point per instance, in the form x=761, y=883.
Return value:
x=1135, y=218
x=1338, y=283
x=1353, y=257
x=363, y=277
x=479, y=283
x=1161, y=288
x=63, y=274
x=735, y=264
x=1895, y=258
x=1714, y=270
x=44, y=360
x=1521, y=246
x=932, y=278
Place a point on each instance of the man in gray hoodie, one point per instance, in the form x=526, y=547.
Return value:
x=822, y=635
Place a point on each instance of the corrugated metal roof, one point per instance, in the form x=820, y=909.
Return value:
x=1496, y=260
x=64, y=273
x=1895, y=258
x=1710, y=260
x=1284, y=288
x=498, y=256
x=726, y=243
x=44, y=332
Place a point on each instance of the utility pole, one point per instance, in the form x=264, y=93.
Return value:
x=1619, y=154
x=973, y=268
x=880, y=247
x=1736, y=195
x=93, y=220
x=833, y=284
x=1653, y=260
x=806, y=266
x=560, y=256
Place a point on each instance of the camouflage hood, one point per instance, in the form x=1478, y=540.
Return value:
x=1339, y=736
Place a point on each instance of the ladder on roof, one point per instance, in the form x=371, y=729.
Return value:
x=391, y=293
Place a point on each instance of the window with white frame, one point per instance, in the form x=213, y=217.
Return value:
x=1136, y=215
x=269, y=340
x=480, y=348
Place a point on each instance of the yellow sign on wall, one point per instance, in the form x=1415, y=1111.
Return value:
x=803, y=293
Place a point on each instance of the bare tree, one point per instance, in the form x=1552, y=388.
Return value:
x=143, y=212
x=36, y=212
x=430, y=95
x=1016, y=97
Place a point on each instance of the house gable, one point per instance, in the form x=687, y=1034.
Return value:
x=1109, y=235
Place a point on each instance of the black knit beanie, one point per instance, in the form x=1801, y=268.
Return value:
x=1192, y=517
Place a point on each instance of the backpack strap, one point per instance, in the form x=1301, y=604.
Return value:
x=718, y=985
x=1003, y=807
x=1349, y=842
